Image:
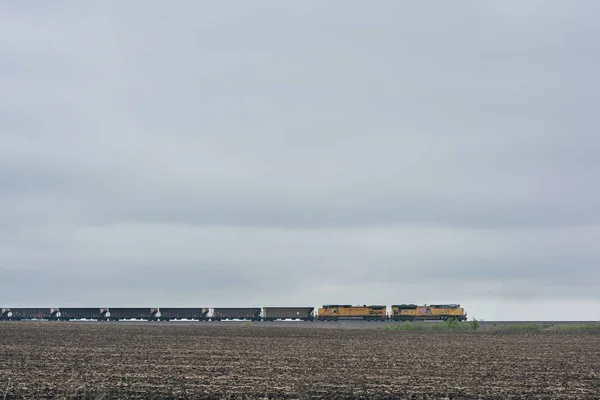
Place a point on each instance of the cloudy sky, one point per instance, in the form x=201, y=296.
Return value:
x=301, y=153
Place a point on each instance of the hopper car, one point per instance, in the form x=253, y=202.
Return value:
x=282, y=313
x=252, y=314
x=349, y=312
x=168, y=314
x=17, y=314
x=70, y=313
x=115, y=314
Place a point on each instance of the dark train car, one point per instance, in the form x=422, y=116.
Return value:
x=68, y=313
x=297, y=313
x=167, y=313
x=236, y=313
x=115, y=314
x=16, y=314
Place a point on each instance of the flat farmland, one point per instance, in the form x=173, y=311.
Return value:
x=301, y=361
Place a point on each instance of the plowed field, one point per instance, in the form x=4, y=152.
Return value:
x=205, y=360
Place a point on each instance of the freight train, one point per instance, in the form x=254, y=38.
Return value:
x=403, y=312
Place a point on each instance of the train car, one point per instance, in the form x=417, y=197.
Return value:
x=69, y=313
x=252, y=314
x=17, y=314
x=115, y=314
x=295, y=313
x=167, y=314
x=433, y=312
x=349, y=312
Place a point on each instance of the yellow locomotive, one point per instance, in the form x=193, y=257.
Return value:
x=413, y=312
x=348, y=312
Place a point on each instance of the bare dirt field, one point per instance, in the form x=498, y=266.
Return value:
x=236, y=360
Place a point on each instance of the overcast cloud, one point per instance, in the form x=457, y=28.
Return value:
x=301, y=153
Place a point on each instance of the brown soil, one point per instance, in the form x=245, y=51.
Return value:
x=205, y=360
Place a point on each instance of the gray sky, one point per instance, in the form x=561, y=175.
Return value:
x=301, y=153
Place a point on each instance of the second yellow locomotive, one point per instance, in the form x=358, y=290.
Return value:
x=340, y=312
x=412, y=312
